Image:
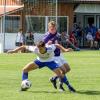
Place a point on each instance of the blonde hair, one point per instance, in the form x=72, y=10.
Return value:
x=52, y=23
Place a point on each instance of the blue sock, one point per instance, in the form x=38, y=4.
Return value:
x=65, y=80
x=24, y=76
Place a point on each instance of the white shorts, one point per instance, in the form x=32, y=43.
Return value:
x=60, y=60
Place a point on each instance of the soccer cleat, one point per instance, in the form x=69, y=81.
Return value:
x=71, y=88
x=77, y=49
x=53, y=83
x=61, y=89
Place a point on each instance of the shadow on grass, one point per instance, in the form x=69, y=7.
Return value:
x=88, y=92
x=85, y=92
x=51, y=92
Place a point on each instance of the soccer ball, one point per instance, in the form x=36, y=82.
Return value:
x=26, y=84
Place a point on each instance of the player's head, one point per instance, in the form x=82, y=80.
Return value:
x=41, y=47
x=52, y=27
x=20, y=30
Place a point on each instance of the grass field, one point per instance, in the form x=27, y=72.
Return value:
x=84, y=76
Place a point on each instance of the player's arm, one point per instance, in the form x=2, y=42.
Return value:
x=62, y=48
x=17, y=49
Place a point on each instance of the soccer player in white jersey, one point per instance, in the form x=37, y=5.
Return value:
x=45, y=57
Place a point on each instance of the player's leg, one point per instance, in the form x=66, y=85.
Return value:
x=64, y=66
x=64, y=69
x=66, y=82
x=54, y=67
x=55, y=77
x=29, y=67
x=63, y=79
x=60, y=75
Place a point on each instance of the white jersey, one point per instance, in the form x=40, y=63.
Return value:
x=46, y=57
x=19, y=37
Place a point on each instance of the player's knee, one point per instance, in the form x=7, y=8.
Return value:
x=61, y=75
x=67, y=67
x=24, y=70
x=58, y=72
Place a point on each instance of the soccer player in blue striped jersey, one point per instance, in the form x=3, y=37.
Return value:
x=45, y=57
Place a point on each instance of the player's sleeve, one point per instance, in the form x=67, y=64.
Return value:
x=31, y=48
x=46, y=37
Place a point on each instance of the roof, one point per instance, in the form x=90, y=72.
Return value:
x=9, y=9
x=25, y=1
x=9, y=6
x=10, y=2
x=79, y=1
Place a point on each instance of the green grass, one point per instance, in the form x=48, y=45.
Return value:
x=84, y=76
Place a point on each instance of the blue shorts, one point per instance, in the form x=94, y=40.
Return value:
x=51, y=65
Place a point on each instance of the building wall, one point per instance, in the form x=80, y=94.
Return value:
x=40, y=9
x=67, y=10
x=43, y=9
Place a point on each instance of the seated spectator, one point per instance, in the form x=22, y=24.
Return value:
x=92, y=29
x=29, y=38
x=64, y=41
x=97, y=40
x=63, y=38
x=72, y=38
x=90, y=39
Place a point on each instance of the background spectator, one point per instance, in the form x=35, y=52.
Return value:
x=19, y=38
x=72, y=39
x=97, y=40
x=78, y=33
x=90, y=39
x=63, y=40
x=29, y=38
x=90, y=34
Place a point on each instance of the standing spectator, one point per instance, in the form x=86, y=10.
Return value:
x=19, y=38
x=97, y=40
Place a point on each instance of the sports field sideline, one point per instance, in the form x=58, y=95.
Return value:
x=84, y=76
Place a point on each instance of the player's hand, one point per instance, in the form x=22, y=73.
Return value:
x=69, y=50
x=49, y=42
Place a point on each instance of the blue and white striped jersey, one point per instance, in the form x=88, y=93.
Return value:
x=46, y=57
